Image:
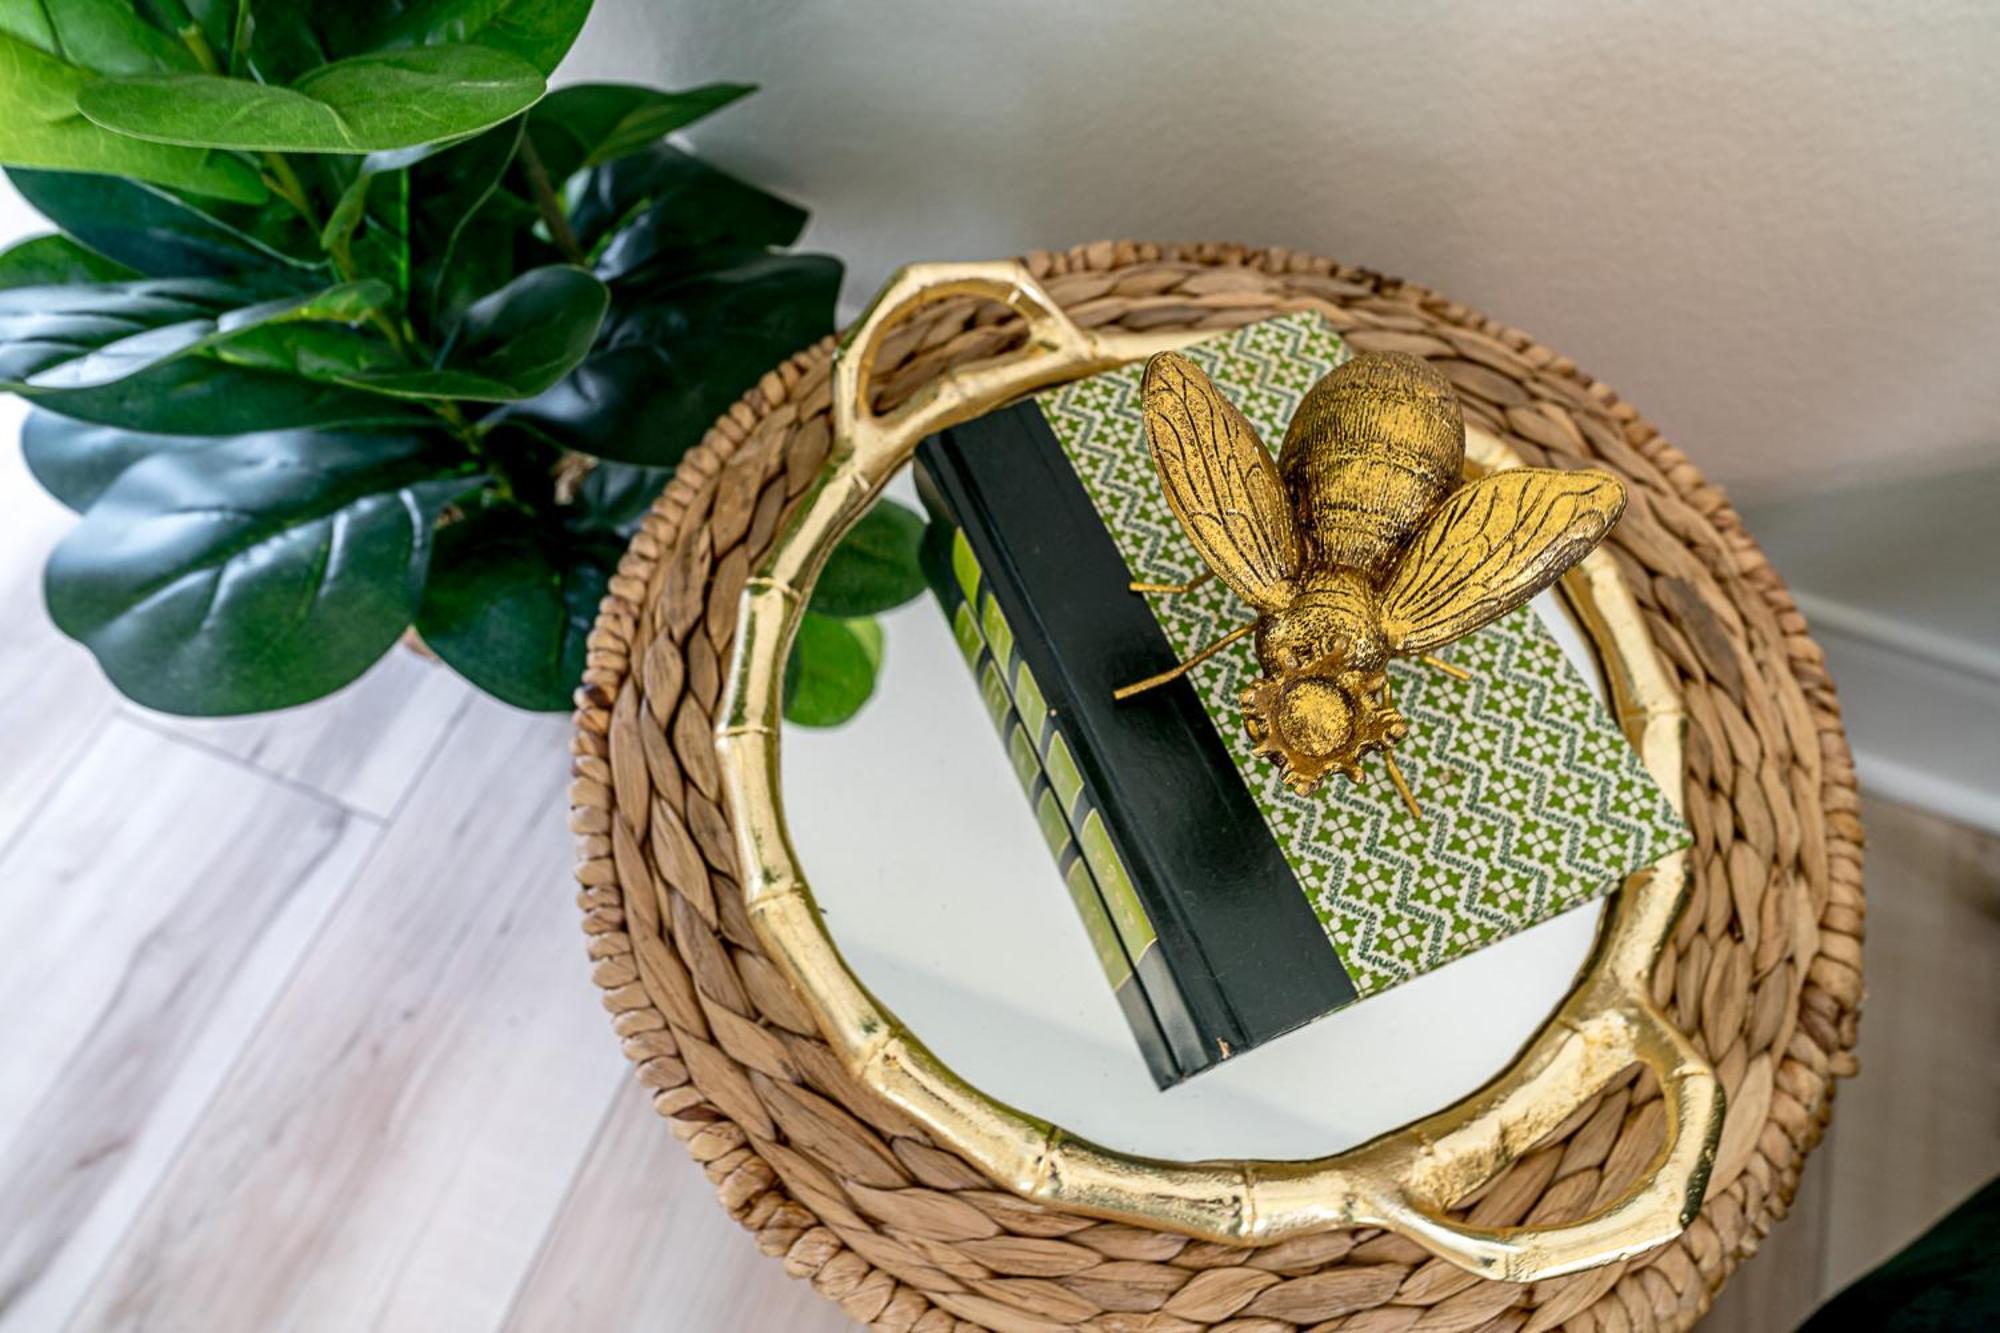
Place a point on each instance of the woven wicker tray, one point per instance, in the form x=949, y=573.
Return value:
x=1760, y=974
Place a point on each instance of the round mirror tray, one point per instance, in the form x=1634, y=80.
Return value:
x=895, y=877
x=938, y=889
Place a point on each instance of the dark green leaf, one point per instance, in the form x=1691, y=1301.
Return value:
x=259, y=573
x=676, y=203
x=874, y=568
x=831, y=671
x=148, y=229
x=76, y=461
x=42, y=125
x=588, y=123
x=387, y=99
x=613, y=497
x=675, y=353
x=198, y=395
x=44, y=329
x=275, y=41
x=512, y=344
x=56, y=261
x=538, y=31
x=509, y=604
x=461, y=242
x=57, y=339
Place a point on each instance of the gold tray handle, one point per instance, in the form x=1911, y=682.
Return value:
x=1406, y=1180
x=1056, y=350
x=1653, y=1210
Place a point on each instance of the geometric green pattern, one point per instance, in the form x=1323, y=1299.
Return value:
x=1534, y=803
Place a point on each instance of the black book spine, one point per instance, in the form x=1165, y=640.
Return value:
x=1120, y=934
x=1235, y=933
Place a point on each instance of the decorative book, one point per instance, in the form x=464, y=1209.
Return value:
x=1225, y=907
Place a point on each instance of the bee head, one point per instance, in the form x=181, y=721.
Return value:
x=1320, y=718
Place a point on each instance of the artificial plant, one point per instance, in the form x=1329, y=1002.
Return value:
x=348, y=329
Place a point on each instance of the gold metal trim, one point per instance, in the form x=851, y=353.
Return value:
x=1405, y=1180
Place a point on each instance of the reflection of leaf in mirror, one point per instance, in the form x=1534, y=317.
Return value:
x=831, y=671
x=874, y=568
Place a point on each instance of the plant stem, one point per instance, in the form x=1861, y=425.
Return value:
x=191, y=35
x=279, y=175
x=548, y=205
x=285, y=183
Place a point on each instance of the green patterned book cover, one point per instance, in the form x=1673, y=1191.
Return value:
x=1534, y=803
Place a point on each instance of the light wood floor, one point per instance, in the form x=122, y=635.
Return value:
x=296, y=1030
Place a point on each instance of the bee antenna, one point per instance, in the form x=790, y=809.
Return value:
x=1402, y=787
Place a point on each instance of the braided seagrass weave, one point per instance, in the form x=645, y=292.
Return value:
x=1763, y=972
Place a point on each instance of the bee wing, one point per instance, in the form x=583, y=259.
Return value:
x=1492, y=545
x=1220, y=482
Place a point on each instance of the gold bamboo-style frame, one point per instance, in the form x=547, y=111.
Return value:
x=1406, y=1180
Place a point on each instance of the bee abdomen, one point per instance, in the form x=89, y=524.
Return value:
x=1372, y=449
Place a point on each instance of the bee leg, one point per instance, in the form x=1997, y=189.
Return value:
x=1141, y=686
x=1402, y=787
x=1437, y=663
x=1174, y=588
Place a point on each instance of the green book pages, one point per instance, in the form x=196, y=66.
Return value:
x=1100, y=886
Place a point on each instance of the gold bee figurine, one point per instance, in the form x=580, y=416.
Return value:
x=1357, y=545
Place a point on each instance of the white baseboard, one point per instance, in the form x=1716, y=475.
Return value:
x=1894, y=780
x=1922, y=710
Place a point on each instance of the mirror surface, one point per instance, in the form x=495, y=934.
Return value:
x=936, y=885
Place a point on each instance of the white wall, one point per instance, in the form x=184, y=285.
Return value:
x=1775, y=227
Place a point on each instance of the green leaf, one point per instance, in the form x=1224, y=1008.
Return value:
x=364, y=104
x=259, y=573
x=675, y=203
x=109, y=36
x=276, y=41
x=44, y=329
x=510, y=603
x=199, y=395
x=831, y=671
x=56, y=339
x=150, y=356
x=675, y=352
x=56, y=261
x=42, y=125
x=613, y=497
x=330, y=353
x=157, y=233
x=589, y=123
x=537, y=31
x=76, y=461
x=462, y=241
x=874, y=568
x=512, y=344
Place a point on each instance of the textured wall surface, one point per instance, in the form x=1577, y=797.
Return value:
x=1775, y=227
